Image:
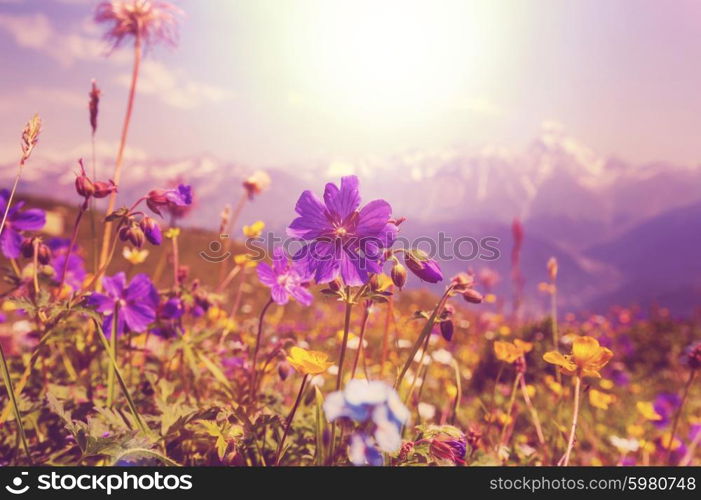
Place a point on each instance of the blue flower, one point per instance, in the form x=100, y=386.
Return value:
x=361, y=451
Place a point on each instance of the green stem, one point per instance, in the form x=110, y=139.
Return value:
x=344, y=343
x=290, y=418
x=9, y=200
x=118, y=376
x=565, y=460
x=685, y=395
x=113, y=353
x=510, y=408
x=254, y=361
x=13, y=400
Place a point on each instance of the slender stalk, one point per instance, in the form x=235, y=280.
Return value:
x=239, y=294
x=113, y=353
x=13, y=400
x=422, y=336
x=677, y=416
x=224, y=268
x=344, y=343
x=257, y=347
x=12, y=195
x=565, y=460
x=361, y=339
x=510, y=408
x=120, y=379
x=385, y=335
x=176, y=263
x=531, y=408
x=74, y=237
x=290, y=418
x=458, y=395
x=554, y=327
x=120, y=153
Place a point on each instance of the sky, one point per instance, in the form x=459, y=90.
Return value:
x=266, y=82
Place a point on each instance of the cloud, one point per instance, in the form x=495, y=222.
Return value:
x=174, y=88
x=35, y=31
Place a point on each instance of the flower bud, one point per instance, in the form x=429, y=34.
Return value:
x=447, y=329
x=552, y=268
x=335, y=285
x=83, y=185
x=374, y=282
x=398, y=275
x=104, y=189
x=43, y=254
x=151, y=230
x=692, y=356
x=27, y=248
x=425, y=268
x=283, y=370
x=133, y=234
x=472, y=296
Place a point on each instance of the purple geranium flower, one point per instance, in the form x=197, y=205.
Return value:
x=17, y=221
x=180, y=196
x=343, y=239
x=75, y=270
x=173, y=308
x=425, y=268
x=137, y=302
x=285, y=279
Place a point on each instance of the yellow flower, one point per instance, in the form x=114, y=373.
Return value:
x=172, y=233
x=244, y=260
x=308, y=362
x=635, y=430
x=254, y=230
x=134, y=255
x=606, y=383
x=383, y=282
x=490, y=298
x=587, y=358
x=600, y=399
x=510, y=352
x=504, y=330
x=647, y=410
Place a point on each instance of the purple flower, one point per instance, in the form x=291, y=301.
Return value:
x=343, y=239
x=180, y=196
x=17, y=221
x=285, y=279
x=151, y=230
x=665, y=405
x=422, y=266
x=173, y=308
x=137, y=302
x=75, y=271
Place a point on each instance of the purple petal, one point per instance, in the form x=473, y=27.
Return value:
x=280, y=262
x=10, y=243
x=301, y=295
x=279, y=295
x=114, y=285
x=29, y=220
x=142, y=290
x=138, y=316
x=373, y=218
x=352, y=272
x=312, y=221
x=342, y=202
x=107, y=324
x=266, y=274
x=101, y=303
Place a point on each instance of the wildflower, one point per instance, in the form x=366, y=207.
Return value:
x=33, y=245
x=133, y=233
x=509, y=352
x=450, y=450
x=308, y=362
x=398, y=274
x=552, y=269
x=375, y=403
x=256, y=183
x=600, y=399
x=446, y=327
x=88, y=188
x=158, y=199
x=94, y=105
x=425, y=268
x=30, y=137
x=172, y=233
x=151, y=230
x=363, y=452
x=344, y=239
x=284, y=279
x=148, y=21
x=647, y=410
x=692, y=356
x=75, y=269
x=173, y=308
x=136, y=303
x=16, y=222
x=134, y=256
x=665, y=405
x=587, y=358
x=244, y=260
x=254, y=230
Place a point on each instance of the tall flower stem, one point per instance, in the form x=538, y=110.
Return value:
x=534, y=412
x=290, y=418
x=385, y=335
x=74, y=237
x=344, y=342
x=256, y=347
x=120, y=153
x=12, y=195
x=224, y=268
x=13, y=400
x=554, y=327
x=361, y=339
x=510, y=408
x=678, y=415
x=113, y=354
x=176, y=262
x=422, y=336
x=565, y=460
